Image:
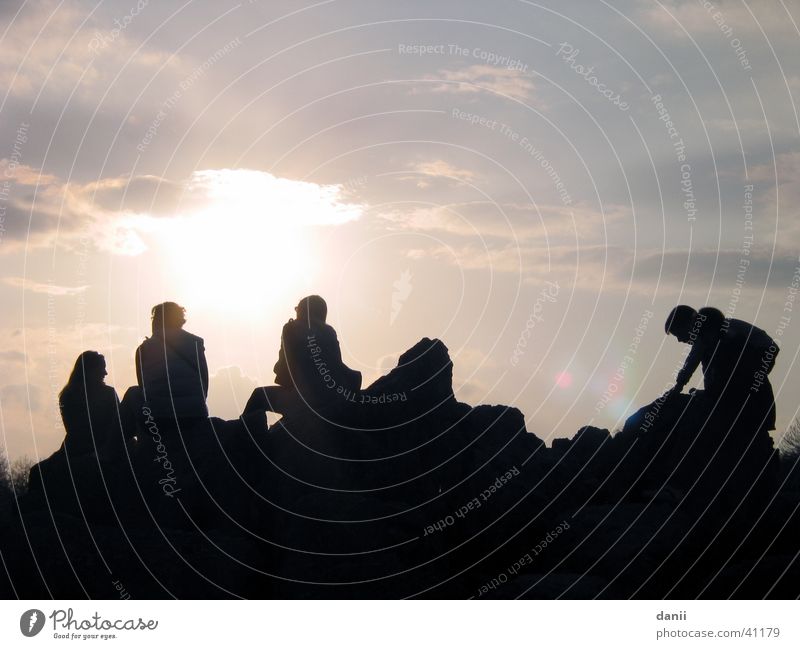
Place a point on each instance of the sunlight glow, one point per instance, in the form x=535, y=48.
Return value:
x=242, y=240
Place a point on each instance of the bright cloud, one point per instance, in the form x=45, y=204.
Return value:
x=118, y=214
x=484, y=78
x=443, y=169
x=60, y=46
x=40, y=287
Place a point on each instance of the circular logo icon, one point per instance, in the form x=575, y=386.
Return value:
x=31, y=622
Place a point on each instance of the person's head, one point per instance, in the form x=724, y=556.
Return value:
x=680, y=322
x=312, y=309
x=88, y=372
x=167, y=315
x=711, y=323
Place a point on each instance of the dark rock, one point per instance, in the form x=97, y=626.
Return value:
x=553, y=586
x=421, y=382
x=402, y=491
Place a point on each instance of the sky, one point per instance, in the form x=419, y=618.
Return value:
x=535, y=184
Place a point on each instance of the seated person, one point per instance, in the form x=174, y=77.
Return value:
x=89, y=408
x=171, y=368
x=736, y=358
x=310, y=371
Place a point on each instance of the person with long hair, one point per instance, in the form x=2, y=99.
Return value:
x=89, y=407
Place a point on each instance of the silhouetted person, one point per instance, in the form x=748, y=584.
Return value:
x=89, y=407
x=310, y=370
x=736, y=358
x=171, y=367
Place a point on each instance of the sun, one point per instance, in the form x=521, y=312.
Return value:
x=239, y=265
x=242, y=239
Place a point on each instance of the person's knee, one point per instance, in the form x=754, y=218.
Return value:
x=259, y=400
x=251, y=402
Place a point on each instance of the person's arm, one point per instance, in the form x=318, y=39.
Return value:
x=107, y=428
x=283, y=375
x=280, y=368
x=690, y=365
x=138, y=361
x=111, y=407
x=334, y=350
x=75, y=414
x=203, y=366
x=66, y=420
x=67, y=415
x=344, y=375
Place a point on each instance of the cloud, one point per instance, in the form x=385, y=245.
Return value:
x=725, y=268
x=479, y=78
x=229, y=389
x=621, y=268
x=139, y=195
x=777, y=186
x=23, y=174
x=507, y=258
x=715, y=17
x=56, y=45
x=117, y=214
x=520, y=222
x=39, y=287
x=279, y=201
x=472, y=391
x=427, y=173
x=387, y=362
x=13, y=356
x=590, y=267
x=31, y=209
x=21, y=395
x=442, y=169
x=745, y=125
x=470, y=366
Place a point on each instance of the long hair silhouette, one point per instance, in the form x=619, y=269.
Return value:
x=86, y=365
